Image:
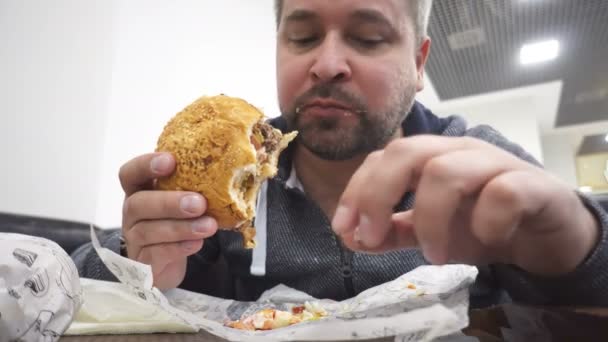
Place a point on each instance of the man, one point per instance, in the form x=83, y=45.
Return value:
x=402, y=186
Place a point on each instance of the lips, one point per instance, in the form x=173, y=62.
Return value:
x=325, y=108
x=327, y=104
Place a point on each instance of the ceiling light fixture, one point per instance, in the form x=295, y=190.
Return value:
x=585, y=189
x=538, y=52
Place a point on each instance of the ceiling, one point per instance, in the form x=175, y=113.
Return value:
x=593, y=144
x=476, y=47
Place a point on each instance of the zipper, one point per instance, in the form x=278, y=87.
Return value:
x=346, y=255
x=347, y=268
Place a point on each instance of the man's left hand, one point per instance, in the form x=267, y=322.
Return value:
x=475, y=203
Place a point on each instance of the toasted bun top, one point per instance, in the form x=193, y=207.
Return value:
x=210, y=140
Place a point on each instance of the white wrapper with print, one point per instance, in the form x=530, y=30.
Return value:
x=39, y=289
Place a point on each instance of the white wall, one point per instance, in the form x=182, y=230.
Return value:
x=167, y=53
x=560, y=152
x=54, y=86
x=513, y=116
x=561, y=145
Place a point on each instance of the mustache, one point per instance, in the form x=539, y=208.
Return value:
x=331, y=92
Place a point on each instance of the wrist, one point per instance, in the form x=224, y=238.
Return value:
x=581, y=236
x=560, y=242
x=591, y=232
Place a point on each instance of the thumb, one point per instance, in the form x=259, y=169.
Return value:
x=403, y=227
x=403, y=220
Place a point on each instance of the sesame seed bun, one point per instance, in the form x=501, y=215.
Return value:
x=217, y=154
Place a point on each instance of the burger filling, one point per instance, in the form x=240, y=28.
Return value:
x=247, y=184
x=267, y=143
x=266, y=140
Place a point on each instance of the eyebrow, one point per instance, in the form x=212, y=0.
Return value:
x=365, y=15
x=371, y=16
x=300, y=15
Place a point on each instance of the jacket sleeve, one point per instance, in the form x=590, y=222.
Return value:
x=89, y=264
x=587, y=285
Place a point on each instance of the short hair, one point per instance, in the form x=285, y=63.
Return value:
x=420, y=11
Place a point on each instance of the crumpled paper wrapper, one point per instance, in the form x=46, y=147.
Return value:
x=39, y=289
x=426, y=303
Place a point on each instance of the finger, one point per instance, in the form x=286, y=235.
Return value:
x=346, y=216
x=146, y=233
x=164, y=253
x=171, y=275
x=402, y=233
x=376, y=200
x=150, y=205
x=161, y=255
x=139, y=173
x=445, y=183
x=526, y=228
x=502, y=205
x=404, y=223
x=373, y=194
x=402, y=236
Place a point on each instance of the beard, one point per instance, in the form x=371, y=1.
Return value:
x=328, y=137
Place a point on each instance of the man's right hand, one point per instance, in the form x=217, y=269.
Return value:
x=161, y=228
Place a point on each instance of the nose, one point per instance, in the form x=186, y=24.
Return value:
x=331, y=62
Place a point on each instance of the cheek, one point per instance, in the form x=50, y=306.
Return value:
x=382, y=85
x=291, y=78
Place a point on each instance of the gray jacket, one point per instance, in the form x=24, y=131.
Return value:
x=302, y=252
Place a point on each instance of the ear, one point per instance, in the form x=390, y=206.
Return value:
x=421, y=57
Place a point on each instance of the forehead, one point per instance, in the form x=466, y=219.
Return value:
x=395, y=11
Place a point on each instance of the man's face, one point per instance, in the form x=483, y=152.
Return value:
x=347, y=72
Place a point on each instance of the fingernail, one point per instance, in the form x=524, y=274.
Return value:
x=341, y=219
x=365, y=228
x=428, y=255
x=191, y=204
x=425, y=251
x=431, y=256
x=189, y=245
x=203, y=226
x=160, y=164
x=357, y=235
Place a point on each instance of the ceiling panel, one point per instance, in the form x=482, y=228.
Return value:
x=476, y=45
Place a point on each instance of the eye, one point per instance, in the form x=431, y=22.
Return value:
x=367, y=43
x=303, y=41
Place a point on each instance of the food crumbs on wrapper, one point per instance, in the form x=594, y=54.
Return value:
x=418, y=292
x=269, y=319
